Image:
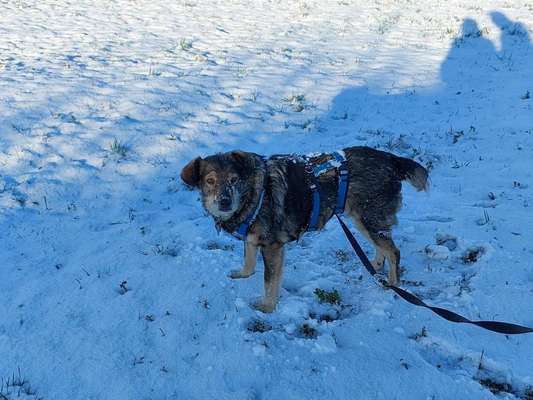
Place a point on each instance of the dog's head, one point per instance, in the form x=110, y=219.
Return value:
x=223, y=180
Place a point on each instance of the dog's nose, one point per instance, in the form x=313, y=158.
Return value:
x=224, y=204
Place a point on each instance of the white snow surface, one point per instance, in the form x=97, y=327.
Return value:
x=113, y=281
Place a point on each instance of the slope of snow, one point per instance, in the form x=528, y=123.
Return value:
x=114, y=282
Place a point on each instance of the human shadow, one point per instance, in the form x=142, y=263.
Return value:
x=482, y=88
x=513, y=33
x=470, y=59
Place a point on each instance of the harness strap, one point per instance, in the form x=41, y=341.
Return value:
x=315, y=211
x=342, y=191
x=338, y=162
x=243, y=228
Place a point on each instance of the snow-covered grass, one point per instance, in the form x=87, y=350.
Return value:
x=113, y=281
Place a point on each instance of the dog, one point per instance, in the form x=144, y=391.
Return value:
x=275, y=197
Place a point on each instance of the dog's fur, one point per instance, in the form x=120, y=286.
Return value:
x=231, y=185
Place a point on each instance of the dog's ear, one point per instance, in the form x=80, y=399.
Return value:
x=190, y=174
x=243, y=161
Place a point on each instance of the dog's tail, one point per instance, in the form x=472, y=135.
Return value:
x=413, y=172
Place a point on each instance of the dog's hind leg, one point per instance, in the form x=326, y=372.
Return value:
x=379, y=258
x=273, y=258
x=383, y=241
x=250, y=260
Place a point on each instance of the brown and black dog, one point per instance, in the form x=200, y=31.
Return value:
x=234, y=184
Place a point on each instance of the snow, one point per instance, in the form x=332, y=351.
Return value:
x=437, y=252
x=114, y=281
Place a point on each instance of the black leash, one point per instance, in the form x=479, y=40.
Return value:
x=495, y=326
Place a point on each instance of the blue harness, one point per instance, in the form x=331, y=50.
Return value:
x=337, y=162
x=242, y=230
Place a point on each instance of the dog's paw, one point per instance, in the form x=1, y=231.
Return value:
x=238, y=274
x=394, y=274
x=264, y=307
x=381, y=280
x=392, y=282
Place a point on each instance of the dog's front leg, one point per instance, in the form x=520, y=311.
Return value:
x=250, y=260
x=273, y=260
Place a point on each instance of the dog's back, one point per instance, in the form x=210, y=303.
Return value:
x=375, y=184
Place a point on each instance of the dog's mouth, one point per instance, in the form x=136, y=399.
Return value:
x=224, y=211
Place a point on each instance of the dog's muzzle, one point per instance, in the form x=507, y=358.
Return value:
x=224, y=204
x=224, y=200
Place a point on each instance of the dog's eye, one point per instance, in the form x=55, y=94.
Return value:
x=210, y=181
x=233, y=180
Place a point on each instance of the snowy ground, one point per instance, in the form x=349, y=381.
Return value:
x=113, y=281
